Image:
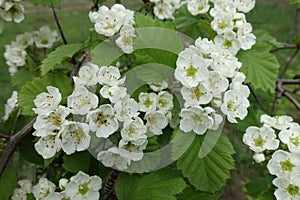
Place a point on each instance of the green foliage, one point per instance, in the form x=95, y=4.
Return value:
x=264, y=36
x=28, y=152
x=258, y=186
x=29, y=92
x=76, y=162
x=142, y=21
x=49, y=3
x=210, y=173
x=57, y=56
x=297, y=2
x=21, y=77
x=8, y=182
x=260, y=67
x=184, y=18
x=162, y=184
x=192, y=194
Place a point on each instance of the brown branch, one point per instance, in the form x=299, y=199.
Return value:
x=95, y=6
x=287, y=46
x=13, y=143
x=286, y=94
x=289, y=63
x=85, y=57
x=255, y=97
x=58, y=24
x=5, y=136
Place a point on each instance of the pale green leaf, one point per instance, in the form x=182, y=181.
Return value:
x=8, y=182
x=57, y=56
x=142, y=21
x=29, y=92
x=192, y=194
x=210, y=173
x=56, y=3
x=260, y=67
x=163, y=184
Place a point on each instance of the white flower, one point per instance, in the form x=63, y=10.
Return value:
x=132, y=149
x=156, y=121
x=217, y=83
x=15, y=56
x=244, y=5
x=126, y=109
x=235, y=105
x=102, y=121
x=191, y=67
x=278, y=122
x=10, y=105
x=113, y=93
x=196, y=119
x=229, y=41
x=125, y=41
x=43, y=189
x=83, y=186
x=87, y=75
x=127, y=16
x=205, y=46
x=134, y=129
x=51, y=122
x=284, y=164
x=291, y=137
x=222, y=23
x=45, y=38
x=260, y=139
x=82, y=101
x=20, y=193
x=158, y=86
x=147, y=102
x=24, y=40
x=48, y=146
x=164, y=101
x=259, y=157
x=111, y=158
x=245, y=36
x=54, y=196
x=288, y=188
x=237, y=84
x=46, y=102
x=164, y=10
x=110, y=76
x=13, y=12
x=195, y=96
x=62, y=183
x=75, y=137
x=196, y=7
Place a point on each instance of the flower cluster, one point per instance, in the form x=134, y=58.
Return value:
x=16, y=52
x=108, y=22
x=10, y=105
x=79, y=186
x=11, y=10
x=281, y=135
x=165, y=9
x=210, y=78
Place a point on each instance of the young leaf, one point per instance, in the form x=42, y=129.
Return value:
x=162, y=184
x=57, y=56
x=260, y=67
x=8, y=182
x=30, y=90
x=210, y=173
x=56, y=3
x=192, y=194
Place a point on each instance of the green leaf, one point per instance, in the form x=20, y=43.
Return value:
x=162, y=184
x=29, y=92
x=268, y=194
x=142, y=21
x=192, y=194
x=8, y=182
x=297, y=2
x=28, y=152
x=264, y=36
x=210, y=173
x=258, y=186
x=57, y=56
x=21, y=77
x=260, y=67
x=184, y=18
x=77, y=161
x=56, y=3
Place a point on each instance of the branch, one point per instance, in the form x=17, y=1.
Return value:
x=13, y=143
x=255, y=97
x=95, y=6
x=288, y=95
x=58, y=24
x=289, y=62
x=287, y=46
x=5, y=136
x=85, y=57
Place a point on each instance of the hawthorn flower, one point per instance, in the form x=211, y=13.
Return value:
x=278, y=122
x=147, y=102
x=13, y=12
x=259, y=157
x=87, y=75
x=111, y=158
x=47, y=102
x=291, y=137
x=10, y=105
x=103, y=121
x=217, y=83
x=222, y=23
x=205, y=46
x=158, y=86
x=24, y=40
x=196, y=119
x=164, y=101
x=229, y=41
x=75, y=137
x=132, y=149
x=15, y=56
x=82, y=101
x=196, y=7
x=284, y=164
x=43, y=189
x=45, y=37
x=126, y=109
x=113, y=93
x=156, y=121
x=245, y=36
x=48, y=146
x=163, y=10
x=110, y=76
x=125, y=41
x=195, y=96
x=260, y=139
x=20, y=193
x=287, y=187
x=244, y=5
x=82, y=186
x=126, y=15
x=134, y=129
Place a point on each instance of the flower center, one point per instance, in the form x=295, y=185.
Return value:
x=287, y=165
x=83, y=189
x=191, y=71
x=293, y=190
x=259, y=142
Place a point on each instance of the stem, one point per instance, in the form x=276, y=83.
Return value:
x=109, y=187
x=78, y=64
x=5, y=136
x=287, y=46
x=96, y=6
x=289, y=63
x=288, y=95
x=255, y=97
x=58, y=24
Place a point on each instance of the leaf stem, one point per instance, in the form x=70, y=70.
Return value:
x=58, y=24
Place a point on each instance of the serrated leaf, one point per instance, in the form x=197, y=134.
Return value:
x=29, y=92
x=184, y=18
x=57, y=56
x=192, y=194
x=264, y=36
x=210, y=173
x=142, y=21
x=258, y=186
x=21, y=77
x=260, y=67
x=8, y=182
x=162, y=184
x=77, y=161
x=56, y=3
